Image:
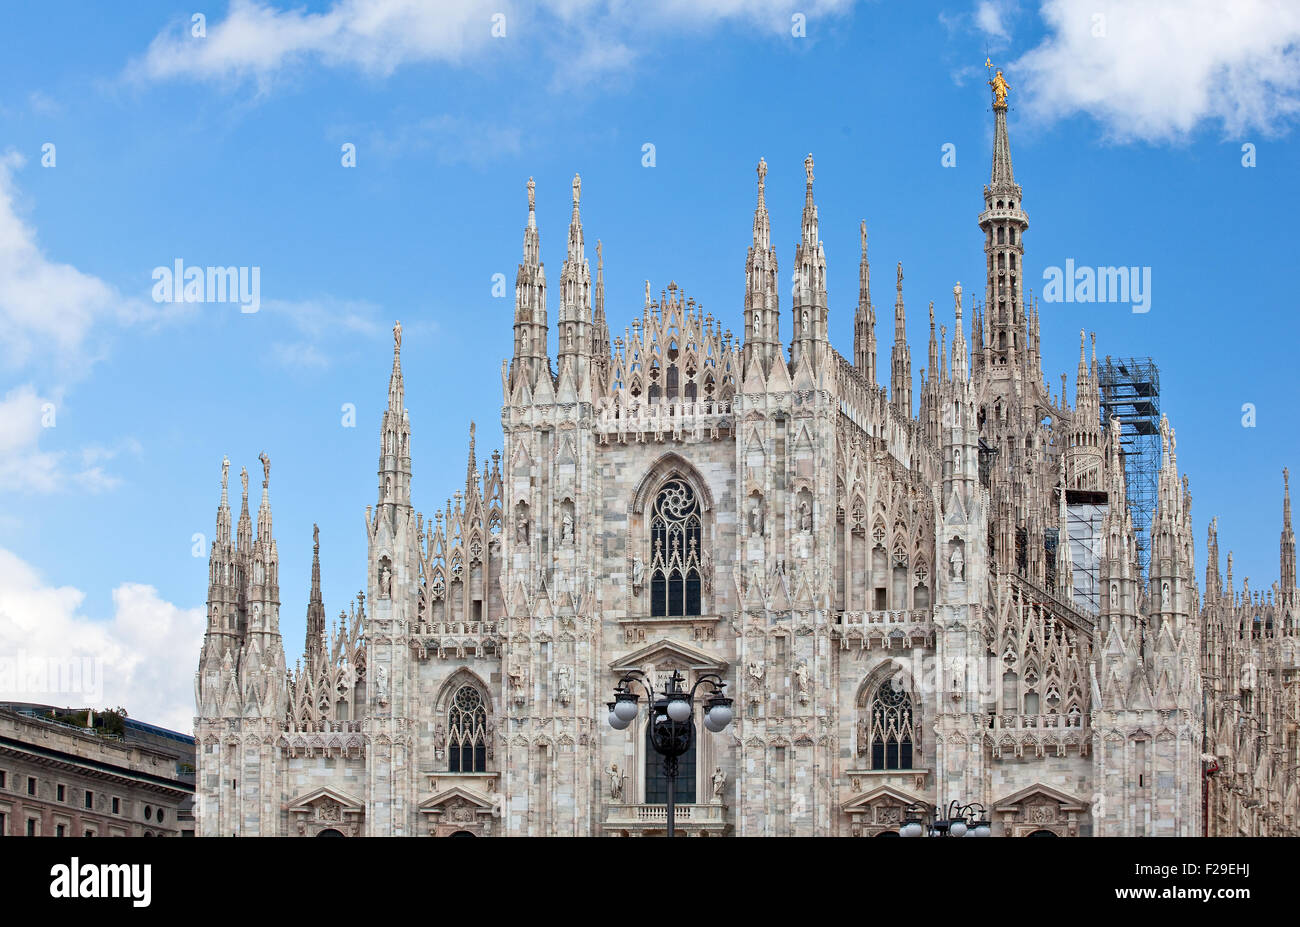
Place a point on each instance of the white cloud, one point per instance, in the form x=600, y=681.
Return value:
x=1156, y=70
x=322, y=323
x=48, y=309
x=25, y=418
x=991, y=17
x=258, y=41
x=143, y=658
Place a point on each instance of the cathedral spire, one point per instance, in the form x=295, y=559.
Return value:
x=1288, y=541
x=599, y=326
x=244, y=533
x=530, y=304
x=958, y=339
x=471, y=469
x=264, y=509
x=762, y=303
x=1010, y=355
x=575, y=289
x=810, y=300
x=395, y=436
x=901, y=356
x=864, y=321
x=314, y=646
x=223, y=507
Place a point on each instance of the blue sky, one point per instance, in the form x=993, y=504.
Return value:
x=225, y=150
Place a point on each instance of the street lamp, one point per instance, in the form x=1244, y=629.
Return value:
x=671, y=729
x=960, y=821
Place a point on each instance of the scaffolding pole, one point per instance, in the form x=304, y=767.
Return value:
x=1130, y=392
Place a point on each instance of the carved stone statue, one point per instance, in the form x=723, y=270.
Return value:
x=385, y=582
x=706, y=571
x=566, y=528
x=564, y=684
x=397, y=336
x=801, y=677
x=615, y=782
x=521, y=528
x=805, y=516
x=638, y=574
x=755, y=668
x=381, y=684
x=719, y=783
x=756, y=517
x=957, y=565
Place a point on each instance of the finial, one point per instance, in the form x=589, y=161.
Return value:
x=397, y=337
x=600, y=258
x=225, y=473
x=315, y=536
x=900, y=276
x=862, y=231
x=762, y=172
x=577, y=189
x=243, y=480
x=266, y=468
x=532, y=195
x=647, y=296
x=808, y=168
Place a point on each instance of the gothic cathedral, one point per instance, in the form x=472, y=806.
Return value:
x=889, y=587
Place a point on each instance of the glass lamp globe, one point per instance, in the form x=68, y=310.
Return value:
x=679, y=709
x=719, y=715
x=912, y=829
x=957, y=828
x=982, y=830
x=616, y=722
x=625, y=708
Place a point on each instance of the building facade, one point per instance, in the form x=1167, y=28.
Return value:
x=888, y=585
x=61, y=779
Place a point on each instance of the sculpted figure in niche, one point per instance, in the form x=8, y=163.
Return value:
x=805, y=516
x=755, y=669
x=719, y=783
x=638, y=574
x=385, y=581
x=521, y=527
x=615, y=782
x=566, y=529
x=957, y=564
x=565, y=684
x=801, y=676
x=756, y=517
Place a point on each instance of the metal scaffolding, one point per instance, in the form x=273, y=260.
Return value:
x=1130, y=392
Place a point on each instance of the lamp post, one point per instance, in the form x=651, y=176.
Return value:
x=959, y=820
x=672, y=712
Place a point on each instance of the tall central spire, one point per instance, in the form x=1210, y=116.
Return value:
x=1004, y=222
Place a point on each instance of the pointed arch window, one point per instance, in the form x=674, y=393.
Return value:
x=675, y=551
x=467, y=731
x=892, y=731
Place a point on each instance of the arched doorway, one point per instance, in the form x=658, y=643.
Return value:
x=1042, y=833
x=461, y=833
x=329, y=832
